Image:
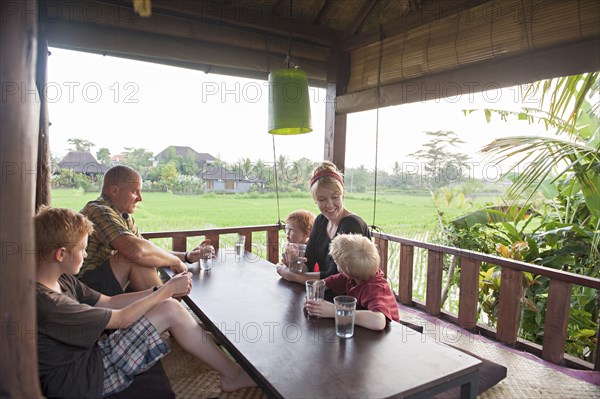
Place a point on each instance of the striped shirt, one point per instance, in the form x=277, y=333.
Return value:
x=108, y=225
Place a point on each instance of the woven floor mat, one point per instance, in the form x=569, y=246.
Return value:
x=527, y=376
x=192, y=379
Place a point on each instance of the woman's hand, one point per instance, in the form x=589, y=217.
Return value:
x=320, y=308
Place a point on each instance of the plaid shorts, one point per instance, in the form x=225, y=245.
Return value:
x=130, y=351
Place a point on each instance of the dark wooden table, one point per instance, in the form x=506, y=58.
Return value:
x=258, y=317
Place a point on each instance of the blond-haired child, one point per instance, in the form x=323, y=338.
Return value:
x=74, y=362
x=359, y=275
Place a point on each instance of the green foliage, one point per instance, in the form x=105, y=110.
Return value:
x=139, y=159
x=103, y=156
x=442, y=166
x=80, y=145
x=563, y=230
x=68, y=179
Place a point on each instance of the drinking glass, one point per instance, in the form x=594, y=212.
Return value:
x=294, y=257
x=315, y=291
x=345, y=307
x=240, y=246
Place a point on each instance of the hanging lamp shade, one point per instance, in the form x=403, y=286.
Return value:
x=289, y=105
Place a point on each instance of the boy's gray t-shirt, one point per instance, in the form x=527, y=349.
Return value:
x=70, y=363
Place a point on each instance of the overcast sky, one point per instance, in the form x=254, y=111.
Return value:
x=118, y=103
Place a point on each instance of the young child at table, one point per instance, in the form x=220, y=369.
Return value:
x=76, y=360
x=359, y=276
x=298, y=225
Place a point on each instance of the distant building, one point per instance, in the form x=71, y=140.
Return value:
x=118, y=159
x=202, y=159
x=219, y=179
x=82, y=162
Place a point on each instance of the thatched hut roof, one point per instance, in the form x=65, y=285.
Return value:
x=82, y=162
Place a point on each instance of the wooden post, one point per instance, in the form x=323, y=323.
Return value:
x=19, y=128
x=179, y=243
x=335, y=124
x=382, y=248
x=557, y=319
x=469, y=291
x=405, y=283
x=597, y=362
x=435, y=271
x=273, y=245
x=247, y=242
x=44, y=165
x=511, y=287
x=214, y=240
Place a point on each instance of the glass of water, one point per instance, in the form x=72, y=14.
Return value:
x=240, y=246
x=206, y=257
x=345, y=306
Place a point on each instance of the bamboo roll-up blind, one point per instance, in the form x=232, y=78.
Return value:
x=493, y=30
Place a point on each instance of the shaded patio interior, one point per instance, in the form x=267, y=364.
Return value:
x=365, y=53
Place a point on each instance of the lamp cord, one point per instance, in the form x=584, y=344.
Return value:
x=276, y=182
x=289, y=60
x=289, y=49
x=373, y=226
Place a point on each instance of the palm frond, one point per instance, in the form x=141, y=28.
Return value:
x=564, y=95
x=539, y=158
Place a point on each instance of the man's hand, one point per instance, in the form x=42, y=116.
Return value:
x=179, y=267
x=204, y=249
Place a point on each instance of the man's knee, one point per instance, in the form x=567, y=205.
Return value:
x=121, y=270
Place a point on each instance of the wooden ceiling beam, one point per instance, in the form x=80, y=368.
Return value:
x=323, y=11
x=430, y=11
x=364, y=12
x=255, y=19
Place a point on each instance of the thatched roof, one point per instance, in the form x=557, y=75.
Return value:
x=82, y=162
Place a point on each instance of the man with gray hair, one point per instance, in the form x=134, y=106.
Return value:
x=118, y=257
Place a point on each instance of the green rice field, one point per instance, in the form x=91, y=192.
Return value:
x=409, y=216
x=399, y=214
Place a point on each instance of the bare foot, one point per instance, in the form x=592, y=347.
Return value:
x=237, y=381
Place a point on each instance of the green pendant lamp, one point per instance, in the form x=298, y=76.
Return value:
x=289, y=105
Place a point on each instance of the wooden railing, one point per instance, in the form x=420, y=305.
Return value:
x=270, y=250
x=559, y=292
x=511, y=285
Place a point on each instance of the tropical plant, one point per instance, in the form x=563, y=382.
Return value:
x=560, y=227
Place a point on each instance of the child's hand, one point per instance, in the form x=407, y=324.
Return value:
x=180, y=284
x=284, y=259
x=320, y=308
x=282, y=270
